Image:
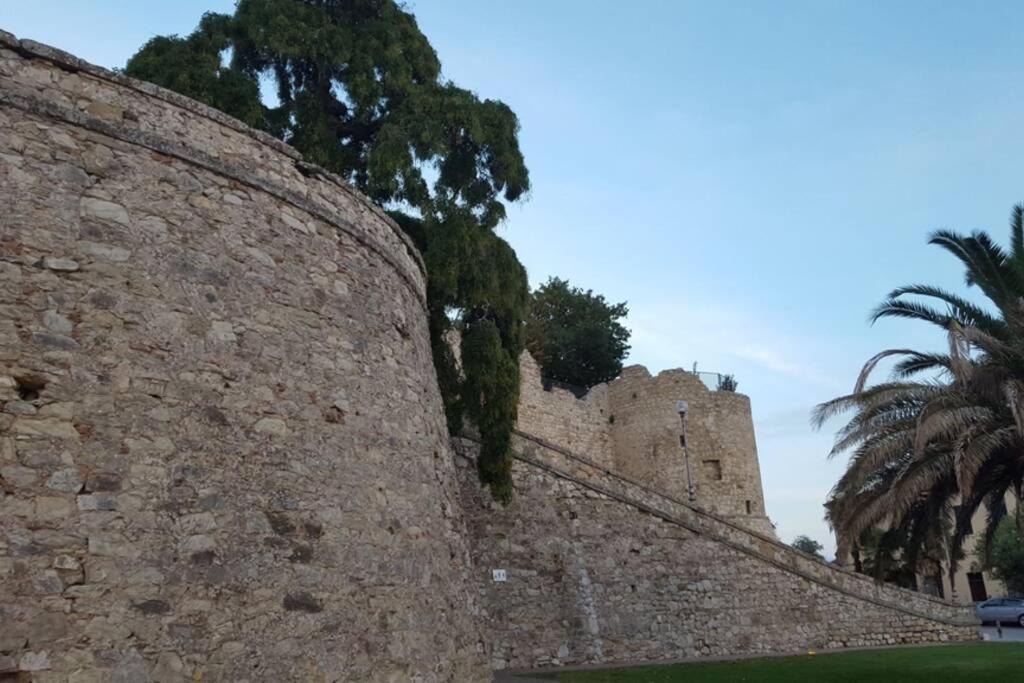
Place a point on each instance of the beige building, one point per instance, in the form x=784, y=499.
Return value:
x=970, y=583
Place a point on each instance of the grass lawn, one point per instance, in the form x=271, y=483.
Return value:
x=971, y=662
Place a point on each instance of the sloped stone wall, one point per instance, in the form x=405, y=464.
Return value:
x=222, y=451
x=601, y=569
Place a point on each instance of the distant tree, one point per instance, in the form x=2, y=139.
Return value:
x=359, y=91
x=575, y=335
x=727, y=383
x=1004, y=552
x=808, y=545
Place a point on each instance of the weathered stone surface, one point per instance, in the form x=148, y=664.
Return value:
x=105, y=252
x=56, y=341
x=47, y=627
x=68, y=480
x=96, y=501
x=59, y=429
x=601, y=569
x=20, y=408
x=271, y=425
x=52, y=508
x=103, y=481
x=100, y=209
x=57, y=323
x=187, y=340
x=131, y=669
x=60, y=264
x=17, y=475
x=35, y=661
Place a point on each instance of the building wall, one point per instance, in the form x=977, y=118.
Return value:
x=599, y=569
x=222, y=450
x=958, y=588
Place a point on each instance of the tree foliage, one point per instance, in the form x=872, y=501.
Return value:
x=727, y=383
x=882, y=554
x=575, y=335
x=1004, y=552
x=359, y=91
x=808, y=545
x=943, y=436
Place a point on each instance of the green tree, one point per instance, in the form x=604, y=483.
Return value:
x=1004, y=552
x=575, y=335
x=727, y=383
x=359, y=91
x=808, y=545
x=947, y=426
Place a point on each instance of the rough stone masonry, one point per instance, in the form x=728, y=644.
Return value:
x=223, y=455
x=222, y=450
x=606, y=558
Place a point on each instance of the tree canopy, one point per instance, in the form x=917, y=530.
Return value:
x=357, y=89
x=575, y=335
x=943, y=436
x=1004, y=552
x=808, y=545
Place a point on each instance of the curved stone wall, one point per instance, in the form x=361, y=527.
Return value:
x=223, y=455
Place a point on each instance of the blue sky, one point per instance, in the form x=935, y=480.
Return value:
x=751, y=177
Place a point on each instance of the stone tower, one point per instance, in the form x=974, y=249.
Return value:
x=711, y=459
x=633, y=427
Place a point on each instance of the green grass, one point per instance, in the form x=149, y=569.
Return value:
x=970, y=662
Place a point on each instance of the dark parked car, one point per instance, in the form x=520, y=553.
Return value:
x=1006, y=610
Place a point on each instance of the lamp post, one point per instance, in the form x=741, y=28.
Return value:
x=682, y=408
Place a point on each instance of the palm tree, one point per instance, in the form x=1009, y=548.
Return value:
x=947, y=427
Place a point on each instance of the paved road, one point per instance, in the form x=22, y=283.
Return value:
x=1010, y=633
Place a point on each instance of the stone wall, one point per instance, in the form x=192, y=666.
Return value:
x=222, y=450
x=581, y=424
x=603, y=569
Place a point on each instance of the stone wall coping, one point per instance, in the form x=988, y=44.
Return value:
x=642, y=372
x=68, y=62
x=867, y=583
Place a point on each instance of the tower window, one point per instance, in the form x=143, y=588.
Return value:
x=750, y=507
x=713, y=469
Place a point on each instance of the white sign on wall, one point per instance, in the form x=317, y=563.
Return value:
x=498, y=575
